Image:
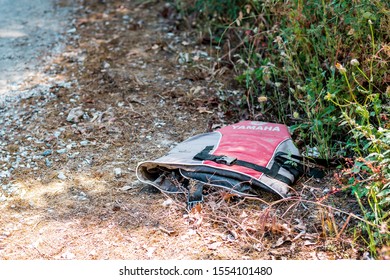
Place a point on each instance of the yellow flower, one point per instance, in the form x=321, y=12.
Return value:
x=341, y=68
x=328, y=96
x=262, y=99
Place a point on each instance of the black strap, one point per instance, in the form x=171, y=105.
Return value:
x=195, y=193
x=293, y=166
x=317, y=161
x=222, y=159
x=305, y=164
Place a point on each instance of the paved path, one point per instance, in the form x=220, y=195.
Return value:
x=29, y=30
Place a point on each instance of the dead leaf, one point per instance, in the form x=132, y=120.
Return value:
x=166, y=230
x=243, y=215
x=197, y=90
x=136, y=52
x=299, y=235
x=197, y=208
x=308, y=243
x=82, y=21
x=300, y=226
x=126, y=188
x=309, y=236
x=228, y=196
x=280, y=241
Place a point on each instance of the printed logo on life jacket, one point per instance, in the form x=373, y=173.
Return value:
x=257, y=127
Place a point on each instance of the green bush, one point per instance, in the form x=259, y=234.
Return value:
x=322, y=68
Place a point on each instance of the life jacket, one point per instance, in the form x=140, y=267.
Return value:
x=246, y=158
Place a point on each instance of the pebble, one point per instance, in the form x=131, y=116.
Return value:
x=57, y=134
x=82, y=196
x=74, y=155
x=326, y=191
x=84, y=143
x=47, y=153
x=48, y=163
x=62, y=151
x=118, y=172
x=61, y=176
x=167, y=202
x=70, y=146
x=72, y=30
x=74, y=115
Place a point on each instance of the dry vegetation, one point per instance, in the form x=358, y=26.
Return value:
x=143, y=84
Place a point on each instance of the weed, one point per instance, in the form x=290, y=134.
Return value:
x=322, y=68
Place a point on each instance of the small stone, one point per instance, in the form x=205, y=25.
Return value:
x=82, y=196
x=106, y=65
x=167, y=202
x=61, y=176
x=70, y=146
x=62, y=151
x=72, y=30
x=326, y=191
x=118, y=172
x=57, y=134
x=75, y=114
x=47, y=153
x=48, y=163
x=84, y=143
x=74, y=155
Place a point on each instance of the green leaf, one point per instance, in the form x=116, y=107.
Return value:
x=385, y=201
x=355, y=169
x=367, y=146
x=385, y=192
x=368, y=15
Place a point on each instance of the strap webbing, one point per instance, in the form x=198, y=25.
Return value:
x=195, y=193
x=304, y=163
x=221, y=159
x=317, y=161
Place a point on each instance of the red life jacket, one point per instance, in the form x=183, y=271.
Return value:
x=245, y=158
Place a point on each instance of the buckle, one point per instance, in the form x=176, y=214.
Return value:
x=225, y=160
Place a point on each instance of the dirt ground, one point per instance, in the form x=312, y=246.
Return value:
x=134, y=81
